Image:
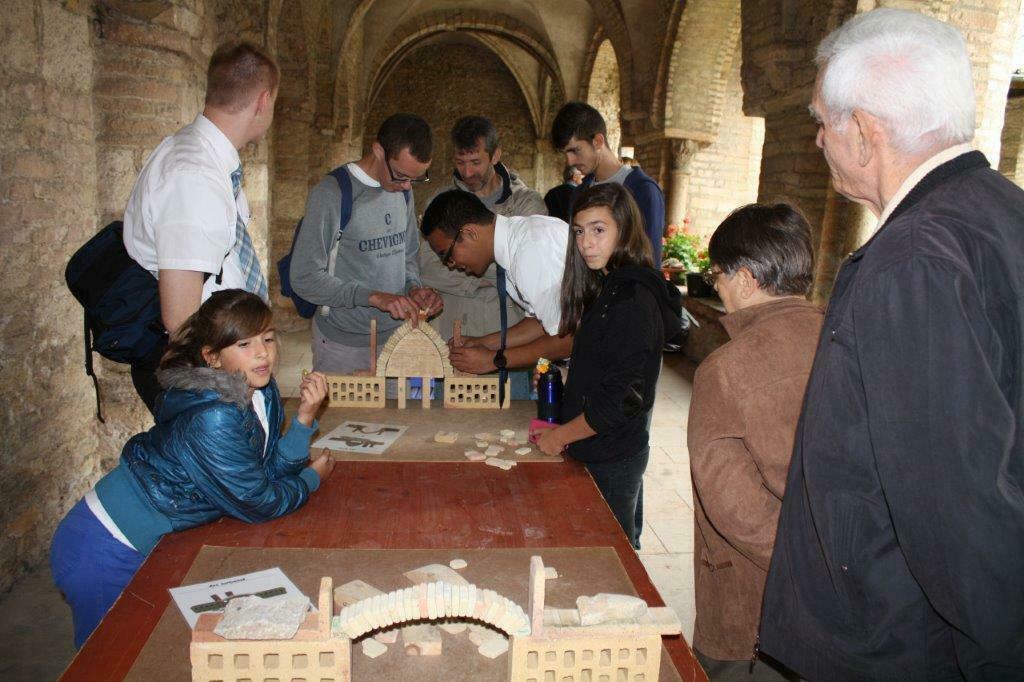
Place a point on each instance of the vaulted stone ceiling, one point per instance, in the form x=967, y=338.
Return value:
x=548, y=46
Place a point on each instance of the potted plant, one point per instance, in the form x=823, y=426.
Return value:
x=685, y=259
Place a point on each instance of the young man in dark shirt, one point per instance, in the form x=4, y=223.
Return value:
x=579, y=132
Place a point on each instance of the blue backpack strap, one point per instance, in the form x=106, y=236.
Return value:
x=345, y=183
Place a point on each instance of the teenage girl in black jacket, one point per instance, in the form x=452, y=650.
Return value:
x=620, y=310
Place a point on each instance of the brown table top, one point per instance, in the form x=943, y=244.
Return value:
x=387, y=505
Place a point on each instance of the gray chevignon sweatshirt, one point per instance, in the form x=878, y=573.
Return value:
x=378, y=252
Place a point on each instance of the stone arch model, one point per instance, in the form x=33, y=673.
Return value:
x=544, y=643
x=431, y=601
x=414, y=352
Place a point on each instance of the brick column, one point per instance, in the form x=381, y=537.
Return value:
x=1011, y=157
x=681, y=151
x=845, y=226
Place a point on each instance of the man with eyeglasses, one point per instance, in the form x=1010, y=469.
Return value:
x=529, y=252
x=374, y=273
x=478, y=169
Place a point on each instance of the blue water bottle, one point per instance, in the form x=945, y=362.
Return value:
x=549, y=392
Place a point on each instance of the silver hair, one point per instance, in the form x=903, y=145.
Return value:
x=909, y=70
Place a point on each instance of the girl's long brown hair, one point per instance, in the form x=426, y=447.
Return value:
x=580, y=284
x=224, y=319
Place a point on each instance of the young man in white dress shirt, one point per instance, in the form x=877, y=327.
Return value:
x=467, y=236
x=186, y=219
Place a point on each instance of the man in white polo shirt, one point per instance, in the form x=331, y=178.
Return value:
x=530, y=254
x=186, y=217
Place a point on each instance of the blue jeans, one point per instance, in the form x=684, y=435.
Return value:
x=621, y=482
x=90, y=567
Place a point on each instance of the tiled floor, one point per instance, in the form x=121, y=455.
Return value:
x=35, y=625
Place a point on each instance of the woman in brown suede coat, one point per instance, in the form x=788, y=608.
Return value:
x=747, y=397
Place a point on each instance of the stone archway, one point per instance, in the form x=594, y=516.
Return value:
x=604, y=92
x=466, y=77
x=715, y=150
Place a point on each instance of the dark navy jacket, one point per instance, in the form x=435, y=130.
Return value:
x=900, y=548
x=649, y=198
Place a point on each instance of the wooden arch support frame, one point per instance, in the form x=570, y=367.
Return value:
x=432, y=601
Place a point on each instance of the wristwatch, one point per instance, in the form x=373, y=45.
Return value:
x=500, y=362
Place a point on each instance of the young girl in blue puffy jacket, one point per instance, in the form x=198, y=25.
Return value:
x=216, y=450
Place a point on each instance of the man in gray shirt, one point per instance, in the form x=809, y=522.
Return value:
x=374, y=273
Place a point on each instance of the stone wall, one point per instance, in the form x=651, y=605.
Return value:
x=292, y=131
x=724, y=175
x=49, y=453
x=150, y=78
x=89, y=90
x=462, y=79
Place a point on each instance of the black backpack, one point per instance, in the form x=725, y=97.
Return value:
x=121, y=303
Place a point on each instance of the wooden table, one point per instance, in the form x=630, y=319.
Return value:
x=388, y=505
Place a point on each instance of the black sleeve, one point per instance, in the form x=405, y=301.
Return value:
x=619, y=395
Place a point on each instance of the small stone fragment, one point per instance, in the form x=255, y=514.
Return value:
x=474, y=456
x=446, y=436
x=500, y=463
x=387, y=637
x=372, y=648
x=257, y=618
x=458, y=564
x=480, y=634
x=602, y=608
x=481, y=444
x=513, y=443
x=494, y=450
x=523, y=451
x=493, y=648
x=507, y=433
x=484, y=436
x=422, y=640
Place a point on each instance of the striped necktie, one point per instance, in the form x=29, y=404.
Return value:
x=255, y=282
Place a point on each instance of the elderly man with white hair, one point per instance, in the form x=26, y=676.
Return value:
x=900, y=547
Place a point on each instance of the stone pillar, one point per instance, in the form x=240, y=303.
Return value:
x=1011, y=162
x=845, y=226
x=541, y=181
x=682, y=152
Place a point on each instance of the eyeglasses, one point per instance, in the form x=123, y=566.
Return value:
x=710, y=276
x=414, y=181
x=446, y=259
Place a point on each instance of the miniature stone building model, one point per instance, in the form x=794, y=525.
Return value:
x=413, y=352
x=355, y=391
x=312, y=654
x=544, y=643
x=559, y=647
